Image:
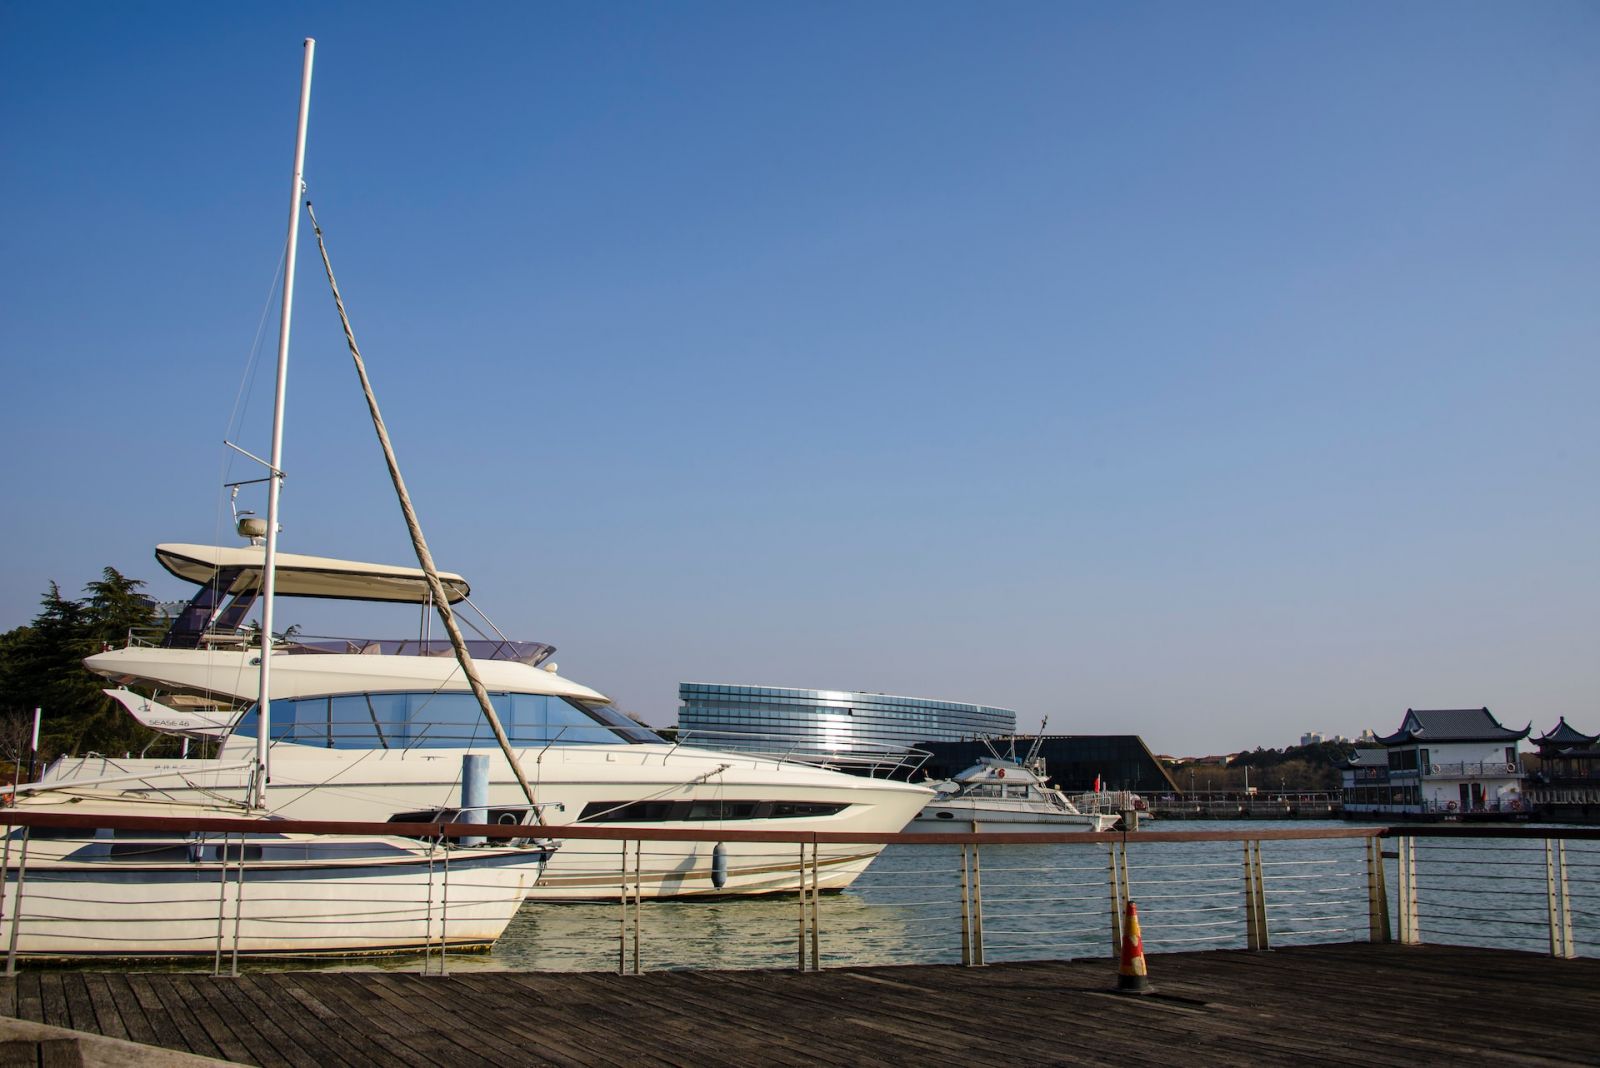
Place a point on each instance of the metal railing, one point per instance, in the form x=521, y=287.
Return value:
x=972, y=899
x=115, y=851
x=1469, y=768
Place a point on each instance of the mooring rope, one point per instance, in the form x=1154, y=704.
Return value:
x=440, y=601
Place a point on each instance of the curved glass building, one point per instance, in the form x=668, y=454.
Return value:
x=827, y=721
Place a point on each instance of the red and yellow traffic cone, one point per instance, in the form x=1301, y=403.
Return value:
x=1131, y=976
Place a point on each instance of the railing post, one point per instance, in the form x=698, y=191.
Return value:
x=1410, y=935
x=444, y=909
x=1255, y=899
x=622, y=915
x=5, y=868
x=638, y=898
x=1252, y=934
x=427, y=916
x=1566, y=903
x=977, y=906
x=966, y=909
x=16, y=901
x=238, y=908
x=222, y=899
x=1558, y=901
x=1263, y=922
x=816, y=909
x=1116, y=902
x=1377, y=893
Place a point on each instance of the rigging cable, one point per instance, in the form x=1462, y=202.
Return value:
x=418, y=542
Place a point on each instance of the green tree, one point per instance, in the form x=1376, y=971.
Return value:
x=41, y=666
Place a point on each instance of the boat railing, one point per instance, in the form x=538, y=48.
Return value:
x=530, y=653
x=983, y=898
x=883, y=761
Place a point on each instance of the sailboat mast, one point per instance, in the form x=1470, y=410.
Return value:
x=275, y=474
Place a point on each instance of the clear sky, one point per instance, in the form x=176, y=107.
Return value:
x=1214, y=372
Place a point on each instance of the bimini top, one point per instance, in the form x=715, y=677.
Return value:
x=304, y=576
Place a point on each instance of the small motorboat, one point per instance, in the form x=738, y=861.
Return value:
x=997, y=794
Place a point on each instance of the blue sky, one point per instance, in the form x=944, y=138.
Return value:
x=1211, y=372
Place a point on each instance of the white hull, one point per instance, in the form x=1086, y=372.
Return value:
x=970, y=818
x=162, y=894
x=376, y=785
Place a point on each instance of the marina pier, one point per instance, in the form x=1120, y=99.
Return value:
x=1330, y=945
x=1352, y=1004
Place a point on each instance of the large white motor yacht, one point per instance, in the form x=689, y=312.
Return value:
x=376, y=730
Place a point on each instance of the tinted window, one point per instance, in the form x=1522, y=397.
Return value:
x=441, y=720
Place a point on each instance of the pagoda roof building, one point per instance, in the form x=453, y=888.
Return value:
x=1564, y=737
x=1451, y=725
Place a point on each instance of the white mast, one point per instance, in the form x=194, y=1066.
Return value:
x=275, y=463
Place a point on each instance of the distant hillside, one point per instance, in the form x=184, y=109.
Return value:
x=1298, y=767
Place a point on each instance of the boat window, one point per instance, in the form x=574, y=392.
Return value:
x=695, y=811
x=442, y=721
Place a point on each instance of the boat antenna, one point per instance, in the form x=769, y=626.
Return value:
x=441, y=602
x=1038, y=740
x=275, y=462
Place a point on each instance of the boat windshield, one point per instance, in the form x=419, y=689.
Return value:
x=442, y=721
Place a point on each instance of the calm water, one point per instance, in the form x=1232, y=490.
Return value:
x=1054, y=902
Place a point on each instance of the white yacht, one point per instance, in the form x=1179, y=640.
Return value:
x=76, y=890
x=376, y=730
x=89, y=869
x=996, y=795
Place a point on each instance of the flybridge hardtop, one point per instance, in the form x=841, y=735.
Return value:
x=238, y=569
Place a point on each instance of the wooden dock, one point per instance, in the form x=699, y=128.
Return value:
x=1351, y=1004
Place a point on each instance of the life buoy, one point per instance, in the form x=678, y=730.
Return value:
x=1451, y=806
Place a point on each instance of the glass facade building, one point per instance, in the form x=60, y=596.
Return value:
x=827, y=721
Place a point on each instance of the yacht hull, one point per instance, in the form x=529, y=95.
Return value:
x=368, y=785
x=968, y=819
x=336, y=906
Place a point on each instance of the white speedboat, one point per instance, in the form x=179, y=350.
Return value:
x=83, y=891
x=996, y=795
x=375, y=730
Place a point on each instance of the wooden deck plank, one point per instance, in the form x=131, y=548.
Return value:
x=463, y=1018
x=108, y=1017
x=548, y=1030
x=678, y=1037
x=194, y=1022
x=270, y=1045
x=430, y=1035
x=328, y=1045
x=155, y=1013
x=230, y=1032
x=585, y=1033
x=1351, y=1004
x=408, y=1036
x=129, y=1012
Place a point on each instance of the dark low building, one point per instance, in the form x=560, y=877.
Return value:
x=1365, y=786
x=1072, y=761
x=1567, y=786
